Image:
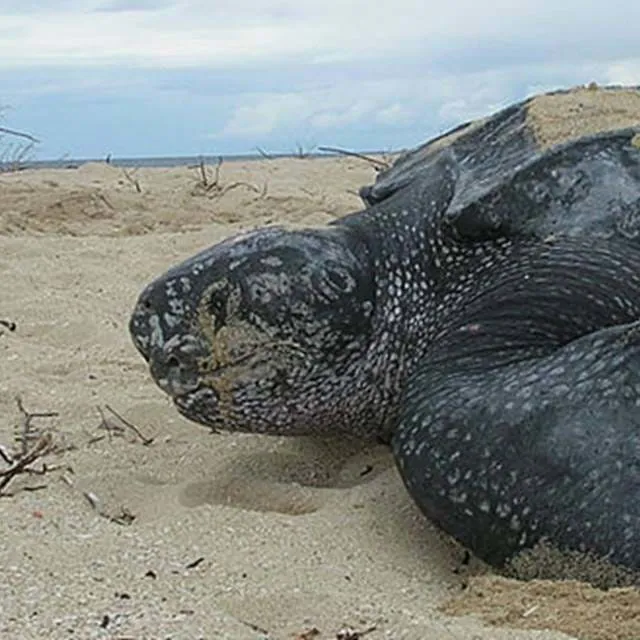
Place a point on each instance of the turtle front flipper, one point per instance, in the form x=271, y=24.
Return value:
x=505, y=451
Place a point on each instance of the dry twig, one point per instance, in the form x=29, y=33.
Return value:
x=122, y=517
x=32, y=445
x=254, y=627
x=14, y=155
x=8, y=324
x=134, y=181
x=349, y=633
x=379, y=165
x=145, y=441
x=265, y=154
x=213, y=188
x=19, y=134
x=28, y=433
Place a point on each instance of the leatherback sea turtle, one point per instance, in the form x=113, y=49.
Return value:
x=482, y=314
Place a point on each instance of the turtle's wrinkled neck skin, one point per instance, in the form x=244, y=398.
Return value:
x=302, y=332
x=316, y=331
x=276, y=332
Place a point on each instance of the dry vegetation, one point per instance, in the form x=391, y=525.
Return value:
x=16, y=149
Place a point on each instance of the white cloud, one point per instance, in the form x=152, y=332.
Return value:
x=319, y=109
x=257, y=32
x=280, y=70
x=266, y=115
x=394, y=114
x=625, y=72
x=439, y=98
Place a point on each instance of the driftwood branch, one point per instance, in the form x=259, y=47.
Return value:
x=378, y=164
x=19, y=134
x=28, y=434
x=32, y=445
x=145, y=441
x=301, y=152
x=213, y=187
x=134, y=181
x=265, y=154
x=8, y=324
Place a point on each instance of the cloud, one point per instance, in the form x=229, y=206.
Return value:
x=182, y=33
x=626, y=72
x=265, y=115
x=134, y=5
x=313, y=108
x=236, y=73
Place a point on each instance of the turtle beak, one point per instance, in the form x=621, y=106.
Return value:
x=165, y=343
x=174, y=366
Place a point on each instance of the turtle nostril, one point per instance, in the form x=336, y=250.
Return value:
x=173, y=362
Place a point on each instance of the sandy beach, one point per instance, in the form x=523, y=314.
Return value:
x=166, y=530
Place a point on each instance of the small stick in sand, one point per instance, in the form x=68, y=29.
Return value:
x=111, y=428
x=19, y=134
x=123, y=517
x=134, y=181
x=32, y=445
x=301, y=152
x=265, y=154
x=145, y=441
x=215, y=189
x=28, y=433
x=12, y=326
x=253, y=627
x=379, y=165
x=203, y=173
x=349, y=633
x=21, y=463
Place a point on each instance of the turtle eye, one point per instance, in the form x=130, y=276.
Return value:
x=217, y=302
x=217, y=305
x=340, y=279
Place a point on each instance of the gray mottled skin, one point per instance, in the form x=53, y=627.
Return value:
x=498, y=348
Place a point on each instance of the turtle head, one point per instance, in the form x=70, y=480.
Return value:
x=264, y=332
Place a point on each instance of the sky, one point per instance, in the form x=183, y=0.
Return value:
x=134, y=78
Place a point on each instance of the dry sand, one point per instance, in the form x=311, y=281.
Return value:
x=233, y=536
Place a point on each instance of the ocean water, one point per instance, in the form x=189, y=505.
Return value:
x=168, y=161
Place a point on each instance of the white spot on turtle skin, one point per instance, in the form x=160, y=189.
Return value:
x=156, y=335
x=176, y=306
x=453, y=477
x=171, y=320
x=458, y=497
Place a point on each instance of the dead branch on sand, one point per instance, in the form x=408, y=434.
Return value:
x=13, y=156
x=265, y=154
x=123, y=516
x=134, y=181
x=212, y=187
x=19, y=134
x=378, y=165
x=117, y=429
x=145, y=441
x=8, y=324
x=32, y=445
x=302, y=153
